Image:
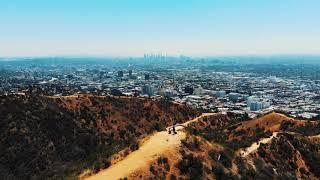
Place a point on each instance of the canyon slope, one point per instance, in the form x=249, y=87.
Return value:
x=103, y=137
x=61, y=137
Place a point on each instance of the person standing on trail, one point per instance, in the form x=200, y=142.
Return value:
x=174, y=129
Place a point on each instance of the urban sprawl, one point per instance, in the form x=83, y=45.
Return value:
x=212, y=85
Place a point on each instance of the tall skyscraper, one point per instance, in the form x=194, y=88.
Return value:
x=120, y=73
x=146, y=77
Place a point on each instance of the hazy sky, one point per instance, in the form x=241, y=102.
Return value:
x=134, y=27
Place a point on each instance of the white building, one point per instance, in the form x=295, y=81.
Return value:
x=256, y=104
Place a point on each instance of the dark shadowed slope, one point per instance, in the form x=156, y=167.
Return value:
x=60, y=137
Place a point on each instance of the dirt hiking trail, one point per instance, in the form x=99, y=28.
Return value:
x=256, y=145
x=149, y=151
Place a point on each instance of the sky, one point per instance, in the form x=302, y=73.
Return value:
x=135, y=27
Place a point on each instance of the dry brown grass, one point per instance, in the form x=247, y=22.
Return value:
x=270, y=122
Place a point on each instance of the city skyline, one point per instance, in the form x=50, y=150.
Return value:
x=132, y=28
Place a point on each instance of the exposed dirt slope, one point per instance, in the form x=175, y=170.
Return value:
x=154, y=147
x=270, y=122
x=140, y=159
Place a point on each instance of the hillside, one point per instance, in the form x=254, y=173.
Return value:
x=50, y=137
x=214, y=146
x=150, y=150
x=79, y=136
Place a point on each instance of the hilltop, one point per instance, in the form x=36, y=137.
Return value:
x=59, y=137
x=214, y=148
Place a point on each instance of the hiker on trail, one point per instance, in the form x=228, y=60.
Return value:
x=174, y=128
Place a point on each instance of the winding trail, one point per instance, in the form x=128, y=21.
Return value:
x=316, y=136
x=149, y=151
x=255, y=145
